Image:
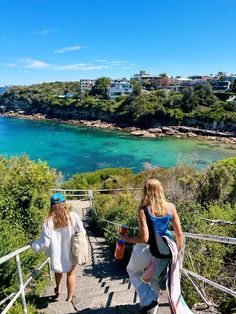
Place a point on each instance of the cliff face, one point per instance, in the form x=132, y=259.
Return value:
x=89, y=112
x=55, y=111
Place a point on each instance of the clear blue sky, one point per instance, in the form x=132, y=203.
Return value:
x=49, y=40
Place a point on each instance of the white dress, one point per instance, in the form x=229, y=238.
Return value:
x=57, y=243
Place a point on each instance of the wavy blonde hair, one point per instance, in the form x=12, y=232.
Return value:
x=153, y=196
x=60, y=215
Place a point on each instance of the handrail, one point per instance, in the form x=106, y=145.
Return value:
x=95, y=190
x=22, y=285
x=210, y=282
x=209, y=237
x=4, y=258
x=200, y=236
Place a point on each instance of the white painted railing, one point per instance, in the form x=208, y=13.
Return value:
x=22, y=285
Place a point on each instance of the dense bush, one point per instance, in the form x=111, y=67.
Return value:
x=24, y=201
x=109, y=178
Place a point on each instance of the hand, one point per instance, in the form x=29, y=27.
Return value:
x=30, y=242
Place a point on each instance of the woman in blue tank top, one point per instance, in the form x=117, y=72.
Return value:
x=154, y=208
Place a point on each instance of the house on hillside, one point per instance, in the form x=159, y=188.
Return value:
x=119, y=89
x=220, y=86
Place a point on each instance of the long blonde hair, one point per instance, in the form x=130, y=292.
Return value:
x=60, y=215
x=153, y=196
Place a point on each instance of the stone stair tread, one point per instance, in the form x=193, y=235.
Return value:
x=105, y=300
x=60, y=308
x=104, y=289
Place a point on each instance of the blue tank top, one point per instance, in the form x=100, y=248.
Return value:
x=160, y=224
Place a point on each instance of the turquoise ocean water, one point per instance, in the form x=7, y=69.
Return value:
x=73, y=149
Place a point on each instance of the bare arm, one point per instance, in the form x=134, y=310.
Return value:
x=177, y=229
x=143, y=233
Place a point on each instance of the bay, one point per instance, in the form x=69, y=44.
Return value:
x=73, y=149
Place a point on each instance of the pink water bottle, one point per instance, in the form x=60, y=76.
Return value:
x=120, y=248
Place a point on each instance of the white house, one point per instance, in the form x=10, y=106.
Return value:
x=119, y=89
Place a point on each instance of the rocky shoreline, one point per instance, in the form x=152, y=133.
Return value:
x=170, y=131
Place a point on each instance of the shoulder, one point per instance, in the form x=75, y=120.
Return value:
x=141, y=213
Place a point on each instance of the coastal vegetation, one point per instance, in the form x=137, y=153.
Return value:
x=195, y=106
x=24, y=201
x=205, y=200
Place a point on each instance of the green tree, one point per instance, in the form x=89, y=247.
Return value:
x=100, y=87
x=204, y=95
x=163, y=75
x=189, y=101
x=136, y=87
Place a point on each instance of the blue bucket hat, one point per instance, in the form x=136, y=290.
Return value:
x=56, y=198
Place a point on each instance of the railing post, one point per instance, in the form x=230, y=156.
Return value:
x=182, y=256
x=21, y=284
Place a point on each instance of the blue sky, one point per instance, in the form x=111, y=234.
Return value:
x=49, y=40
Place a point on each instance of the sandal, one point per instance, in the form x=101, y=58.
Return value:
x=70, y=299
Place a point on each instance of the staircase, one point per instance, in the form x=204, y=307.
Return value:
x=102, y=287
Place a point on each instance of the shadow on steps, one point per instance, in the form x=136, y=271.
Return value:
x=119, y=309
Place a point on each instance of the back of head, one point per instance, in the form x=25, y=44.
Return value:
x=153, y=196
x=59, y=211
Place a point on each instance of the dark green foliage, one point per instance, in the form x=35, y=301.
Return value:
x=219, y=182
x=100, y=87
x=24, y=202
x=228, y=306
x=108, y=178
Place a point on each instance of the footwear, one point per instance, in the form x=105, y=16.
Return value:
x=150, y=309
x=70, y=299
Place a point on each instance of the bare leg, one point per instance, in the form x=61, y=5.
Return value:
x=58, y=278
x=70, y=283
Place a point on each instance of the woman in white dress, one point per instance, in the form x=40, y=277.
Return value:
x=55, y=239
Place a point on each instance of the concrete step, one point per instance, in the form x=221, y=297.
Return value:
x=103, y=289
x=116, y=301
x=104, y=300
x=60, y=308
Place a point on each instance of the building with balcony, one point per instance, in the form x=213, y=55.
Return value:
x=220, y=86
x=119, y=89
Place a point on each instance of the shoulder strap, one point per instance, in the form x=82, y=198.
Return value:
x=73, y=222
x=158, y=247
x=169, y=212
